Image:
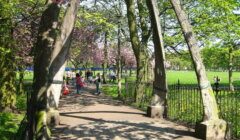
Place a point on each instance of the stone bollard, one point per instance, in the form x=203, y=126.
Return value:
x=155, y=111
x=211, y=130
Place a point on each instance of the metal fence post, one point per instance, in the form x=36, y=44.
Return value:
x=216, y=84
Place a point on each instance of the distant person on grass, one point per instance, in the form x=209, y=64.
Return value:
x=89, y=76
x=79, y=83
x=97, y=81
x=113, y=76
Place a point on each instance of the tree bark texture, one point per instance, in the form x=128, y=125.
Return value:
x=208, y=98
x=160, y=81
x=139, y=49
x=58, y=59
x=50, y=56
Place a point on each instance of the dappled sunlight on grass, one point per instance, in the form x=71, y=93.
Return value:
x=110, y=91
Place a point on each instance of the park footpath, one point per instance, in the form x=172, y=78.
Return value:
x=98, y=117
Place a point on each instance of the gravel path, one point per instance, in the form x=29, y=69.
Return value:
x=98, y=117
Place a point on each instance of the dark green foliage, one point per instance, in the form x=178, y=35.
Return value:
x=9, y=124
x=229, y=106
x=7, y=84
x=127, y=95
x=21, y=102
x=7, y=66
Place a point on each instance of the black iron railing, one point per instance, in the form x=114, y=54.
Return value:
x=184, y=103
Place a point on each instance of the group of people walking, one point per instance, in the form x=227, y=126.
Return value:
x=80, y=81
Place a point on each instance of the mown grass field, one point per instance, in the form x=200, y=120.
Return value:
x=185, y=77
x=189, y=77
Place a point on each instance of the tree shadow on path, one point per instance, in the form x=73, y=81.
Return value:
x=92, y=117
x=100, y=129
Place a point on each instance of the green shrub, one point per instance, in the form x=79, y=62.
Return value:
x=9, y=124
x=21, y=102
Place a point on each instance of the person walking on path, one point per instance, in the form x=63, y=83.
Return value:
x=79, y=83
x=97, y=81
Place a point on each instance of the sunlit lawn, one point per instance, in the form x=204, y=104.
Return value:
x=189, y=77
x=185, y=77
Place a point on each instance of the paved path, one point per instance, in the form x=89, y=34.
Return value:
x=93, y=117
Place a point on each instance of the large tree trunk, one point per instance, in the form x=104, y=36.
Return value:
x=141, y=5
x=58, y=61
x=230, y=69
x=215, y=128
x=158, y=104
x=43, y=49
x=141, y=72
x=139, y=49
x=50, y=56
x=209, y=102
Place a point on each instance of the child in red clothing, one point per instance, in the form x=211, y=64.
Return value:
x=65, y=90
x=79, y=83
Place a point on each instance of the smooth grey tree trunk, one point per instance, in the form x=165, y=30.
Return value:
x=58, y=61
x=50, y=56
x=42, y=53
x=209, y=102
x=211, y=127
x=158, y=103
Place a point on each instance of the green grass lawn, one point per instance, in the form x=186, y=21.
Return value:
x=189, y=77
x=185, y=77
x=27, y=75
